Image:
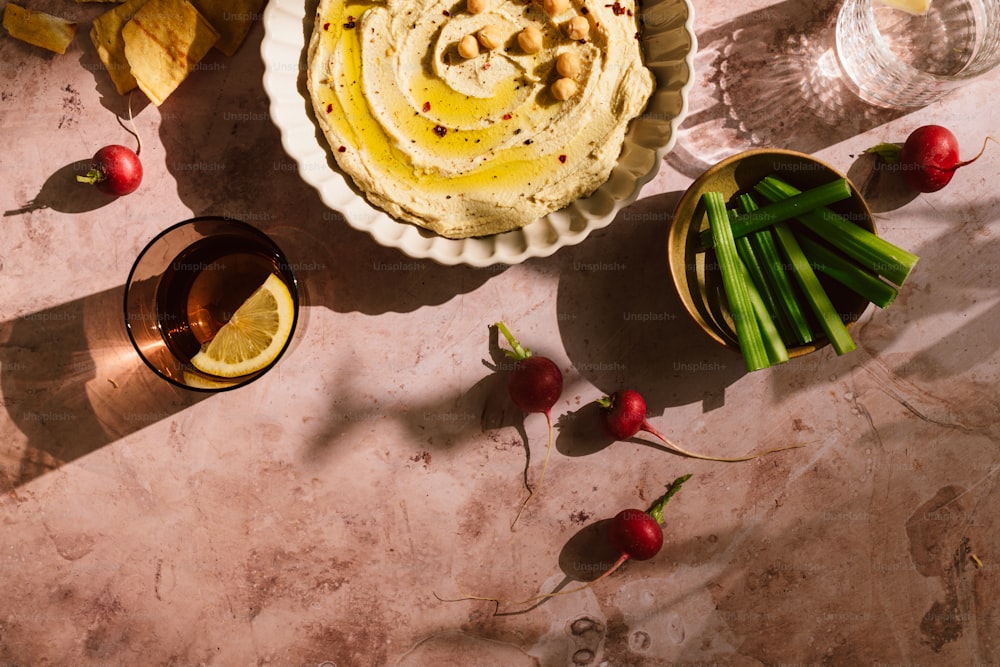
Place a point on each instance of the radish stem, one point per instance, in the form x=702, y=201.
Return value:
x=517, y=351
x=656, y=509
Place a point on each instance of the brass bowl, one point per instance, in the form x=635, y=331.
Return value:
x=695, y=271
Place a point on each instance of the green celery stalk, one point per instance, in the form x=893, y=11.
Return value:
x=765, y=247
x=768, y=300
x=785, y=209
x=797, y=328
x=777, y=351
x=757, y=273
x=831, y=322
x=866, y=248
x=748, y=332
x=848, y=273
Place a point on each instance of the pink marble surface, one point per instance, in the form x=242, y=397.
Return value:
x=312, y=517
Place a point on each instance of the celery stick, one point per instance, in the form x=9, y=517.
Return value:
x=748, y=332
x=848, y=273
x=831, y=322
x=789, y=313
x=785, y=209
x=868, y=249
x=765, y=247
x=755, y=272
x=777, y=352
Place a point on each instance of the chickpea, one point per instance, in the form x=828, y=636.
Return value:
x=568, y=64
x=476, y=6
x=490, y=37
x=530, y=39
x=468, y=47
x=563, y=89
x=578, y=28
x=554, y=7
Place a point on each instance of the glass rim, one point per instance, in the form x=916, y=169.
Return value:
x=286, y=266
x=985, y=59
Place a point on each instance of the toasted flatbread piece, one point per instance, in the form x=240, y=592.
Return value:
x=106, y=34
x=232, y=18
x=164, y=42
x=38, y=28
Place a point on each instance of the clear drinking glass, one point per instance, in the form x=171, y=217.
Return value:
x=902, y=60
x=186, y=283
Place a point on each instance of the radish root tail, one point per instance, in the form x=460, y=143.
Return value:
x=982, y=150
x=537, y=598
x=541, y=476
x=694, y=455
x=132, y=130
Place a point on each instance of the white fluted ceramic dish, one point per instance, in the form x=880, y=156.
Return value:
x=669, y=44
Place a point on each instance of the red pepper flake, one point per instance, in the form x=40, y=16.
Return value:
x=562, y=158
x=326, y=26
x=617, y=8
x=329, y=108
x=440, y=130
x=445, y=12
x=427, y=107
x=507, y=116
x=486, y=65
x=351, y=23
x=342, y=149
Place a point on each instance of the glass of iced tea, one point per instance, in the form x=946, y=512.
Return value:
x=211, y=303
x=909, y=53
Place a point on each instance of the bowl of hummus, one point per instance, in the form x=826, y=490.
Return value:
x=478, y=132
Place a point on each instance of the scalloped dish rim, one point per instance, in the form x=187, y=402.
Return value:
x=286, y=27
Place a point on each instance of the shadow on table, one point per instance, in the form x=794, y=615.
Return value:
x=586, y=558
x=623, y=325
x=770, y=78
x=225, y=154
x=72, y=382
x=62, y=192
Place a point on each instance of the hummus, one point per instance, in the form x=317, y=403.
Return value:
x=474, y=145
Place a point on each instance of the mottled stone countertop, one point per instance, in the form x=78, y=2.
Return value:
x=315, y=516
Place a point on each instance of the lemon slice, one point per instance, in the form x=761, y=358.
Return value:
x=915, y=7
x=253, y=337
x=199, y=381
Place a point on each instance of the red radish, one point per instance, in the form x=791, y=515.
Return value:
x=635, y=534
x=114, y=169
x=625, y=415
x=929, y=157
x=535, y=384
